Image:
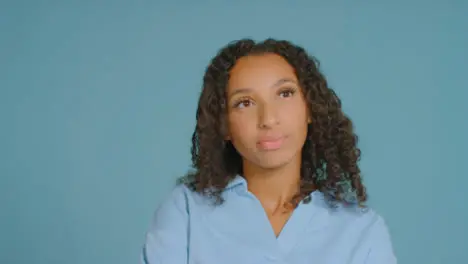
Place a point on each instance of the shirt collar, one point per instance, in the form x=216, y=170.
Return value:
x=240, y=181
x=237, y=181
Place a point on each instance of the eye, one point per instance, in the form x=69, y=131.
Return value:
x=287, y=92
x=243, y=103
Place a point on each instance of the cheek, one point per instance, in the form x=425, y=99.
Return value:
x=294, y=114
x=242, y=127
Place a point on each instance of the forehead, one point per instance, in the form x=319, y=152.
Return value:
x=256, y=71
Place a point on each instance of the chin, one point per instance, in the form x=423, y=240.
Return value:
x=274, y=161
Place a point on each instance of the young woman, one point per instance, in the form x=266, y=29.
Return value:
x=276, y=176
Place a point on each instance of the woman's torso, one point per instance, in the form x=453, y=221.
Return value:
x=238, y=231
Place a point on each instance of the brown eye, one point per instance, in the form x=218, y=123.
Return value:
x=243, y=103
x=287, y=93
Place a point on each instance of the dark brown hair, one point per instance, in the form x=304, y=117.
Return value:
x=330, y=154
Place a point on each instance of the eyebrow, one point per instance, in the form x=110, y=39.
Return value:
x=276, y=84
x=284, y=80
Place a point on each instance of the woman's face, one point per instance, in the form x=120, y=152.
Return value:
x=267, y=111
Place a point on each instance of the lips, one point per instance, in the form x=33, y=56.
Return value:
x=270, y=143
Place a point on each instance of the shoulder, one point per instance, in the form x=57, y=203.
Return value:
x=168, y=231
x=340, y=213
x=363, y=227
x=376, y=241
x=180, y=199
x=176, y=198
x=365, y=219
x=364, y=222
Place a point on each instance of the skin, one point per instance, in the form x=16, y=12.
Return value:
x=267, y=123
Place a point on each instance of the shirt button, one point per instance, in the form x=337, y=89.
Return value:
x=271, y=258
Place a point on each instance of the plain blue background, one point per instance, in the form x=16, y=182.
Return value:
x=97, y=106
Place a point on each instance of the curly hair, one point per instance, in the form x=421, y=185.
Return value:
x=329, y=156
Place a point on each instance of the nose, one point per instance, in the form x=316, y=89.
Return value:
x=268, y=116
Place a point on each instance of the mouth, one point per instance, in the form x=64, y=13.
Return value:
x=269, y=144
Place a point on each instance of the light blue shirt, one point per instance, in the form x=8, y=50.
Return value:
x=188, y=229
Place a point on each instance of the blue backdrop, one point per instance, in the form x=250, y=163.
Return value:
x=97, y=106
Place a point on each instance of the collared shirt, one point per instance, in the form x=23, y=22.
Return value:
x=188, y=229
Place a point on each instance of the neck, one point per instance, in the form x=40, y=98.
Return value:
x=274, y=187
